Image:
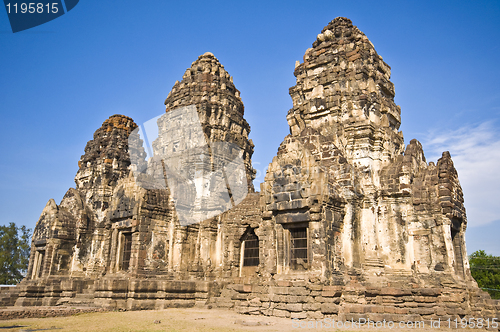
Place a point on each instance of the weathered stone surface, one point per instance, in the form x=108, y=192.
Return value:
x=349, y=222
x=210, y=87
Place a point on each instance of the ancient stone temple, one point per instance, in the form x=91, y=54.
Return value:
x=349, y=223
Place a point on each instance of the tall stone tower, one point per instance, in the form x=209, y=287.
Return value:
x=208, y=86
x=106, y=160
x=69, y=238
x=202, y=154
x=343, y=91
x=343, y=184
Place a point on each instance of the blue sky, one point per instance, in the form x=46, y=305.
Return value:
x=61, y=80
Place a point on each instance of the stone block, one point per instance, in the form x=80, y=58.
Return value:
x=296, y=299
x=422, y=311
x=284, y=283
x=314, y=287
x=329, y=308
x=279, y=290
x=315, y=315
x=331, y=293
x=374, y=309
x=294, y=307
x=281, y=313
x=298, y=291
x=371, y=291
x=311, y=306
x=299, y=283
x=395, y=291
x=298, y=315
x=278, y=298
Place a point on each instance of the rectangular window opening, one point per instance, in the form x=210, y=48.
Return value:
x=127, y=249
x=39, y=271
x=298, y=249
x=251, y=253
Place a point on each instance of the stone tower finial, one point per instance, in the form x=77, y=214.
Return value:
x=206, y=80
x=207, y=55
x=340, y=20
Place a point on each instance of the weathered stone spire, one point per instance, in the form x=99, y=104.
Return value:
x=205, y=81
x=106, y=160
x=343, y=90
x=208, y=86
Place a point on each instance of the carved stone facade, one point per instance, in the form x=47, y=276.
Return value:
x=349, y=223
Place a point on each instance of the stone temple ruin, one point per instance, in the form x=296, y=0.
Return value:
x=349, y=223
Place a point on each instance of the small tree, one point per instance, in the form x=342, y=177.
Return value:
x=485, y=269
x=14, y=253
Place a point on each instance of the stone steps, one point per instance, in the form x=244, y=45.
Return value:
x=374, y=262
x=81, y=300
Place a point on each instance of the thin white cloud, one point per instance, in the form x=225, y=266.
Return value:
x=475, y=151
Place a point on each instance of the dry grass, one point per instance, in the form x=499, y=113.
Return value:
x=171, y=320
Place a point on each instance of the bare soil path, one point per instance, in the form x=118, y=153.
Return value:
x=182, y=320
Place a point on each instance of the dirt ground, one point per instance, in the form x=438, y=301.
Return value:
x=182, y=320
